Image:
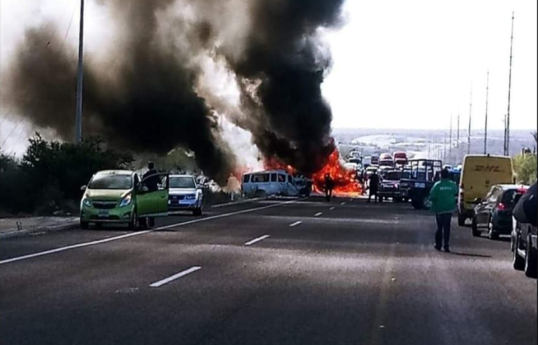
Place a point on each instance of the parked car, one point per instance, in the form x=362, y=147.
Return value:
x=494, y=213
x=390, y=185
x=268, y=183
x=524, y=233
x=366, y=161
x=119, y=196
x=374, y=160
x=185, y=194
x=400, y=158
x=479, y=173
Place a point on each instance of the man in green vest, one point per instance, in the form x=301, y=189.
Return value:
x=442, y=197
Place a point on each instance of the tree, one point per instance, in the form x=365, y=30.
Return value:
x=525, y=167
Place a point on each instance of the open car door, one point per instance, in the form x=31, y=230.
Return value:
x=152, y=196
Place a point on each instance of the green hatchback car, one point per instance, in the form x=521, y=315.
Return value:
x=120, y=196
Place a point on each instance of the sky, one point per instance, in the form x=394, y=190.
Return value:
x=411, y=64
x=396, y=64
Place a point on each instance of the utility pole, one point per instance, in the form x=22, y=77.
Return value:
x=486, y=122
x=80, y=75
x=507, y=125
x=469, y=130
x=444, y=148
x=450, y=140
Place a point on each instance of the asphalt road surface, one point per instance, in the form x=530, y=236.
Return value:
x=267, y=272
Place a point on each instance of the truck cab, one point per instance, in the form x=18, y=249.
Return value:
x=417, y=187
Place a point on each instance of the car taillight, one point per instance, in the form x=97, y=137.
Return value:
x=501, y=207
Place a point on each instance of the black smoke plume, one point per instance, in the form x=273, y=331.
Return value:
x=289, y=118
x=146, y=97
x=143, y=100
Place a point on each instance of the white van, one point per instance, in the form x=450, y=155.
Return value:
x=269, y=182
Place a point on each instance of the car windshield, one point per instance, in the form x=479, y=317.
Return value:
x=393, y=175
x=111, y=182
x=182, y=182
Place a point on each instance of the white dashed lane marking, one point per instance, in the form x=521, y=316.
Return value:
x=176, y=276
x=256, y=240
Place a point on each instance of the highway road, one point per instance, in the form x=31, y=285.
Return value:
x=267, y=272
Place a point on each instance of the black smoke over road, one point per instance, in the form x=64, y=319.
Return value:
x=289, y=118
x=145, y=96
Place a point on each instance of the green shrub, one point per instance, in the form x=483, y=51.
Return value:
x=525, y=167
x=49, y=175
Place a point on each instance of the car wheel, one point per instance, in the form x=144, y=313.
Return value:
x=197, y=212
x=492, y=234
x=530, y=260
x=461, y=219
x=518, y=262
x=416, y=204
x=84, y=225
x=426, y=202
x=133, y=224
x=474, y=228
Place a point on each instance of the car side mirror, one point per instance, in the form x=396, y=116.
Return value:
x=83, y=188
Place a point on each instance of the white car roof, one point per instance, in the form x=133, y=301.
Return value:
x=182, y=175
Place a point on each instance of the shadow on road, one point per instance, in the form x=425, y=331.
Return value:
x=471, y=255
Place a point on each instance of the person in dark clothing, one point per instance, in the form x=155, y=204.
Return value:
x=329, y=186
x=373, y=186
x=151, y=181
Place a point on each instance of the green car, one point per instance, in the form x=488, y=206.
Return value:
x=120, y=196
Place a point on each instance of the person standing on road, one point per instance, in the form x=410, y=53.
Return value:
x=442, y=197
x=373, y=185
x=151, y=181
x=329, y=186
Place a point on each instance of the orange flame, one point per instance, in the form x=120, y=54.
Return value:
x=345, y=181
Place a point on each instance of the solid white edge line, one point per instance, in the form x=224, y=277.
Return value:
x=115, y=238
x=296, y=223
x=256, y=240
x=176, y=276
x=74, y=246
x=318, y=214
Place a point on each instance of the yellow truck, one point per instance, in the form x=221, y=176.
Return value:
x=479, y=173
